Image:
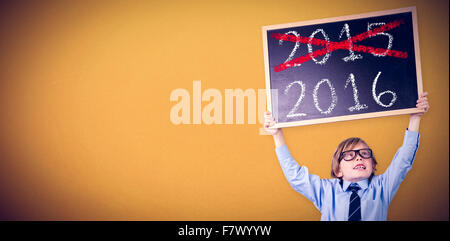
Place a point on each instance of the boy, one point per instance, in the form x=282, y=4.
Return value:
x=354, y=193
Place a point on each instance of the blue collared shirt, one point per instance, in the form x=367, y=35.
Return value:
x=331, y=196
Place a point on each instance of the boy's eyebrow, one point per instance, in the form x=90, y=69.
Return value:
x=351, y=145
x=357, y=149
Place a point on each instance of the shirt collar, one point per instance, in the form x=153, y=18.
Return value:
x=363, y=184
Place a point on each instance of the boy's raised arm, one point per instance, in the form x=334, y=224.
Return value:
x=403, y=159
x=278, y=138
x=310, y=186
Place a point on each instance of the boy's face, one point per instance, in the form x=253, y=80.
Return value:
x=357, y=169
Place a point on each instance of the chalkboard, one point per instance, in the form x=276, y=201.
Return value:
x=344, y=68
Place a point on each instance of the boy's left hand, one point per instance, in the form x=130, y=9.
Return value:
x=422, y=103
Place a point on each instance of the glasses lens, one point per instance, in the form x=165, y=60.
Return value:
x=365, y=153
x=348, y=155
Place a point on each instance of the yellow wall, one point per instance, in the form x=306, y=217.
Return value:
x=85, y=131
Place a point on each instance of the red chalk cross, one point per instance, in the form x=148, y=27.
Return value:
x=331, y=46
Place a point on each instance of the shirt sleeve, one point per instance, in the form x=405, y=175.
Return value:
x=310, y=186
x=400, y=165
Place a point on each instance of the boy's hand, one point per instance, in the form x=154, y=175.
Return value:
x=268, y=122
x=422, y=103
x=414, y=119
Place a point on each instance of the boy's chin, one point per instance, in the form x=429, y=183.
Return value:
x=357, y=178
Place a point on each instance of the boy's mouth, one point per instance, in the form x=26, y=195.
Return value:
x=360, y=166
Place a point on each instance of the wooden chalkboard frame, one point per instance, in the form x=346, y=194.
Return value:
x=265, y=29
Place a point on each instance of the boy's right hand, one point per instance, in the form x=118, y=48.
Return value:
x=268, y=122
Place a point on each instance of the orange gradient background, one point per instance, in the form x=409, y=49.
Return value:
x=85, y=132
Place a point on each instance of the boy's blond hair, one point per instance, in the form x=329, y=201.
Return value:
x=347, y=144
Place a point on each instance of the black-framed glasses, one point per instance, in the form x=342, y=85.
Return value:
x=351, y=154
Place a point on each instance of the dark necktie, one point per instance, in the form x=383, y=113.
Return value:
x=354, y=212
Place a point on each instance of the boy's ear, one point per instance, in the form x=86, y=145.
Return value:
x=339, y=173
